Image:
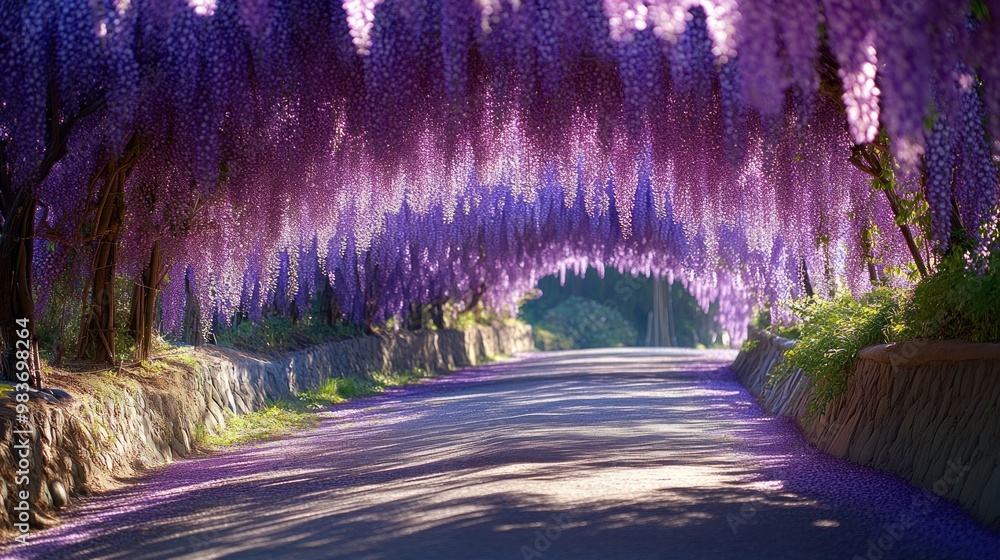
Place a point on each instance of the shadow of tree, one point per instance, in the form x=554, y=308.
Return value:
x=650, y=454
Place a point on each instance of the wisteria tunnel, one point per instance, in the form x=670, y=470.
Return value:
x=310, y=183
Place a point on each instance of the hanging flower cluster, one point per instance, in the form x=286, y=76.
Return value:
x=418, y=150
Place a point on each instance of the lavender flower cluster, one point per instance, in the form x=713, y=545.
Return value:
x=415, y=150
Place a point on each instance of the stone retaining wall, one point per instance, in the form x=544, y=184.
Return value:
x=928, y=411
x=784, y=395
x=91, y=444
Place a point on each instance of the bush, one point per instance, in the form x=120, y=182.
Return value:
x=749, y=345
x=833, y=333
x=583, y=323
x=548, y=340
x=953, y=303
x=763, y=322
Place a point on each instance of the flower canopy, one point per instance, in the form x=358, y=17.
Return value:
x=416, y=151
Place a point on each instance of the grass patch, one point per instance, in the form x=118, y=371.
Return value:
x=298, y=411
x=109, y=385
x=493, y=359
x=268, y=423
x=548, y=340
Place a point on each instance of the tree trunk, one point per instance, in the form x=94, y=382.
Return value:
x=806, y=282
x=18, y=204
x=143, y=310
x=662, y=323
x=98, y=329
x=192, y=316
x=16, y=303
x=868, y=255
x=904, y=228
x=414, y=319
x=437, y=315
x=371, y=293
x=671, y=324
x=329, y=309
x=873, y=160
x=477, y=297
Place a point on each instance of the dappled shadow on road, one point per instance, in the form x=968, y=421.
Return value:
x=615, y=454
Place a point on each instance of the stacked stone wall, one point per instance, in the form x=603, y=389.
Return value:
x=87, y=444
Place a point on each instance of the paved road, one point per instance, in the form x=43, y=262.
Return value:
x=608, y=454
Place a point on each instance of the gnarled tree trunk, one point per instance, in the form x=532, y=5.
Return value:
x=18, y=204
x=437, y=315
x=372, y=297
x=477, y=297
x=97, y=326
x=98, y=329
x=143, y=312
x=16, y=303
x=415, y=317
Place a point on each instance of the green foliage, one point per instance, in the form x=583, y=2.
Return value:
x=953, y=303
x=979, y=10
x=473, y=318
x=267, y=423
x=749, y=345
x=59, y=325
x=763, y=322
x=833, y=332
x=200, y=435
x=124, y=343
x=280, y=333
x=296, y=412
x=586, y=324
x=632, y=296
x=763, y=319
x=787, y=331
x=548, y=340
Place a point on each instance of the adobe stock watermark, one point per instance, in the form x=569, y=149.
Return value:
x=204, y=539
x=545, y=538
x=625, y=288
x=920, y=505
x=749, y=508
x=747, y=512
x=22, y=433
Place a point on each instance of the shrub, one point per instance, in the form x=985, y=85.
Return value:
x=833, y=333
x=584, y=323
x=953, y=303
x=548, y=340
x=749, y=345
x=763, y=322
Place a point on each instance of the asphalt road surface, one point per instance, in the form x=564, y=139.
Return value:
x=624, y=454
